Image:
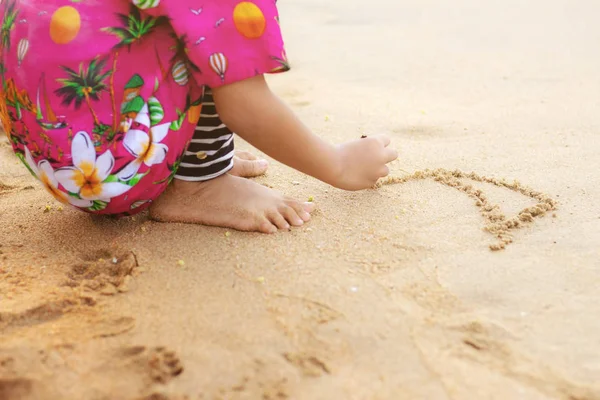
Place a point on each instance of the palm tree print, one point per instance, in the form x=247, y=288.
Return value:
x=181, y=54
x=8, y=23
x=9, y=19
x=284, y=65
x=84, y=85
x=134, y=27
x=132, y=30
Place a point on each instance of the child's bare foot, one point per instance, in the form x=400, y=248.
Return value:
x=230, y=202
x=247, y=165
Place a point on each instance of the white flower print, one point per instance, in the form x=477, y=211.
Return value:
x=45, y=173
x=88, y=175
x=145, y=147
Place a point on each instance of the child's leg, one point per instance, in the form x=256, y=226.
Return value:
x=204, y=192
x=211, y=152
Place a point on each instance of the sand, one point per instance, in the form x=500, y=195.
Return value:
x=393, y=293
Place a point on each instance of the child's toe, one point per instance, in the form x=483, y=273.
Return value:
x=302, y=209
x=291, y=216
x=278, y=220
x=267, y=227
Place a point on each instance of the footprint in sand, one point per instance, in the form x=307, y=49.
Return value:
x=17, y=389
x=46, y=312
x=462, y=351
x=304, y=322
x=262, y=380
x=72, y=316
x=496, y=223
x=459, y=348
x=136, y=372
x=65, y=313
x=306, y=312
x=158, y=364
x=105, y=271
x=16, y=380
x=432, y=297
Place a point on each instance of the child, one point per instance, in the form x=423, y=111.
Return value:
x=112, y=105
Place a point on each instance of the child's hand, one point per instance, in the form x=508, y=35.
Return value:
x=363, y=162
x=250, y=108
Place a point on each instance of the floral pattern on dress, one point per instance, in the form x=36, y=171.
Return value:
x=100, y=99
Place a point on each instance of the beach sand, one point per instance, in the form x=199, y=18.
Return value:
x=391, y=293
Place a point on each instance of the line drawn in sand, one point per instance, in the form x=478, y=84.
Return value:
x=497, y=223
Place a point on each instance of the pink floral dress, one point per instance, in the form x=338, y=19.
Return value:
x=100, y=98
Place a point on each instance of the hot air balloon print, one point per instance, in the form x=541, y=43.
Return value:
x=180, y=73
x=22, y=50
x=218, y=63
x=156, y=111
x=146, y=4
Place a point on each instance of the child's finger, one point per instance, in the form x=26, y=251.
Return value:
x=385, y=171
x=385, y=140
x=390, y=154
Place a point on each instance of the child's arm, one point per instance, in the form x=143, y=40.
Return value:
x=257, y=115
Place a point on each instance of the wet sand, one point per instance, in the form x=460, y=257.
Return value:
x=394, y=293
